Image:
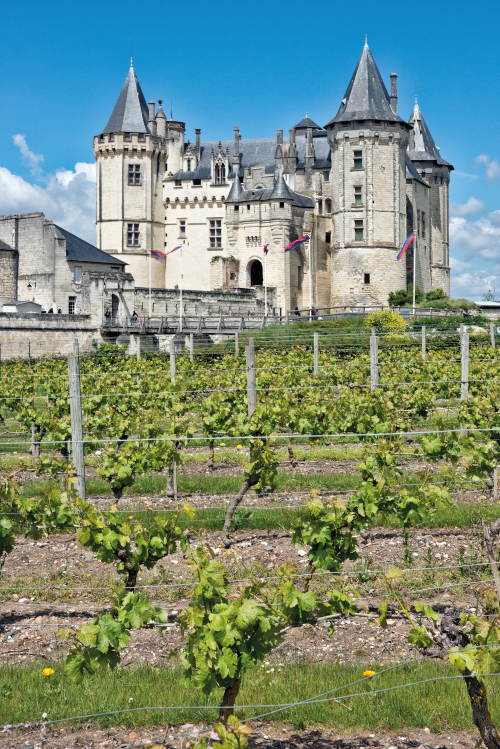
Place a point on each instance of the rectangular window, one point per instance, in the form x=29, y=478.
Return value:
x=367, y=278
x=328, y=237
x=418, y=223
x=248, y=207
x=358, y=159
x=178, y=183
x=133, y=235
x=197, y=182
x=182, y=229
x=282, y=205
x=358, y=230
x=115, y=269
x=77, y=274
x=134, y=174
x=236, y=208
x=358, y=197
x=71, y=305
x=326, y=176
x=216, y=233
x=423, y=224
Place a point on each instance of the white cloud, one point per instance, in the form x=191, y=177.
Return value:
x=491, y=167
x=29, y=158
x=477, y=239
x=472, y=285
x=459, y=266
x=67, y=197
x=473, y=205
x=464, y=174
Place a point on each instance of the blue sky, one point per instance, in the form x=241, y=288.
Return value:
x=260, y=66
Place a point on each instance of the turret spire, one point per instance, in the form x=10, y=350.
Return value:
x=130, y=114
x=421, y=146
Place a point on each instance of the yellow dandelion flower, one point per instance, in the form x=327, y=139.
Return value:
x=48, y=671
x=369, y=673
x=240, y=447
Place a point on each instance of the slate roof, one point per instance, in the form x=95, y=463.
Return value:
x=235, y=192
x=5, y=246
x=280, y=189
x=259, y=153
x=421, y=146
x=307, y=122
x=266, y=193
x=366, y=97
x=411, y=171
x=130, y=114
x=82, y=252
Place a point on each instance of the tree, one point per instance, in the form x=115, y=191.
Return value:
x=435, y=294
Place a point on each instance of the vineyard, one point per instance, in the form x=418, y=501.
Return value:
x=240, y=545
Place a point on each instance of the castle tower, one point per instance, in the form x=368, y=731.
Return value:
x=131, y=154
x=432, y=168
x=368, y=180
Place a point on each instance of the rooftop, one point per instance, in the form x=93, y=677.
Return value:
x=81, y=251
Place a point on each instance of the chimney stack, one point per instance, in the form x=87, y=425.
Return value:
x=151, y=118
x=394, y=92
x=198, y=139
x=236, y=154
x=279, y=137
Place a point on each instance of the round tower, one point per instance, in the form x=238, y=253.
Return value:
x=131, y=158
x=368, y=143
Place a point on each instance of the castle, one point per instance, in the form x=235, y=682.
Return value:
x=358, y=186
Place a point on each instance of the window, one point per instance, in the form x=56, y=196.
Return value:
x=326, y=176
x=236, y=208
x=328, y=206
x=126, y=136
x=358, y=159
x=134, y=174
x=418, y=223
x=216, y=233
x=189, y=165
x=282, y=205
x=232, y=276
x=115, y=269
x=367, y=278
x=71, y=305
x=133, y=235
x=358, y=198
x=328, y=237
x=320, y=207
x=423, y=224
x=197, y=182
x=178, y=183
x=358, y=230
x=220, y=174
x=182, y=229
x=248, y=206
x=77, y=274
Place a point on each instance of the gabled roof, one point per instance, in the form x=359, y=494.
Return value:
x=130, y=114
x=307, y=122
x=81, y=251
x=411, y=171
x=366, y=97
x=280, y=189
x=421, y=146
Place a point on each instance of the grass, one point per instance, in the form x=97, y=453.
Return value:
x=439, y=705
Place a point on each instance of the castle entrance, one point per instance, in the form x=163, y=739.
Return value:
x=256, y=274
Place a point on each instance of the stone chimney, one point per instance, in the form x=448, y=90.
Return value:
x=394, y=92
x=151, y=118
x=198, y=139
x=236, y=154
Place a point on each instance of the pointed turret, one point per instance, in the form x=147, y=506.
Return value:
x=280, y=189
x=421, y=146
x=366, y=97
x=130, y=114
x=236, y=191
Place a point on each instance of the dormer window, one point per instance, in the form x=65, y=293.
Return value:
x=220, y=174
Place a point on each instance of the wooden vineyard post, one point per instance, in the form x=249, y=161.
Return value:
x=172, y=360
x=316, y=354
x=423, y=343
x=34, y=446
x=251, y=381
x=374, y=361
x=191, y=347
x=492, y=334
x=138, y=350
x=495, y=483
x=464, y=387
x=174, y=471
x=75, y=406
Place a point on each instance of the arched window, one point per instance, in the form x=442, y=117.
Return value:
x=256, y=275
x=220, y=174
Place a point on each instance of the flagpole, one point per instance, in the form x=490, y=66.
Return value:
x=265, y=284
x=180, y=288
x=150, y=261
x=310, y=280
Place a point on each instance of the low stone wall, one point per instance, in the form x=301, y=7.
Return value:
x=240, y=301
x=35, y=335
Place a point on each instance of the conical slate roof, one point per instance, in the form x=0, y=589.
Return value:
x=280, y=189
x=307, y=122
x=421, y=146
x=235, y=192
x=130, y=114
x=366, y=97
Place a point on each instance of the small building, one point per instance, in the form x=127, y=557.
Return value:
x=490, y=309
x=21, y=308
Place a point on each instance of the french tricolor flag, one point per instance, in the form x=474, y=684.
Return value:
x=266, y=248
x=296, y=243
x=407, y=243
x=175, y=248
